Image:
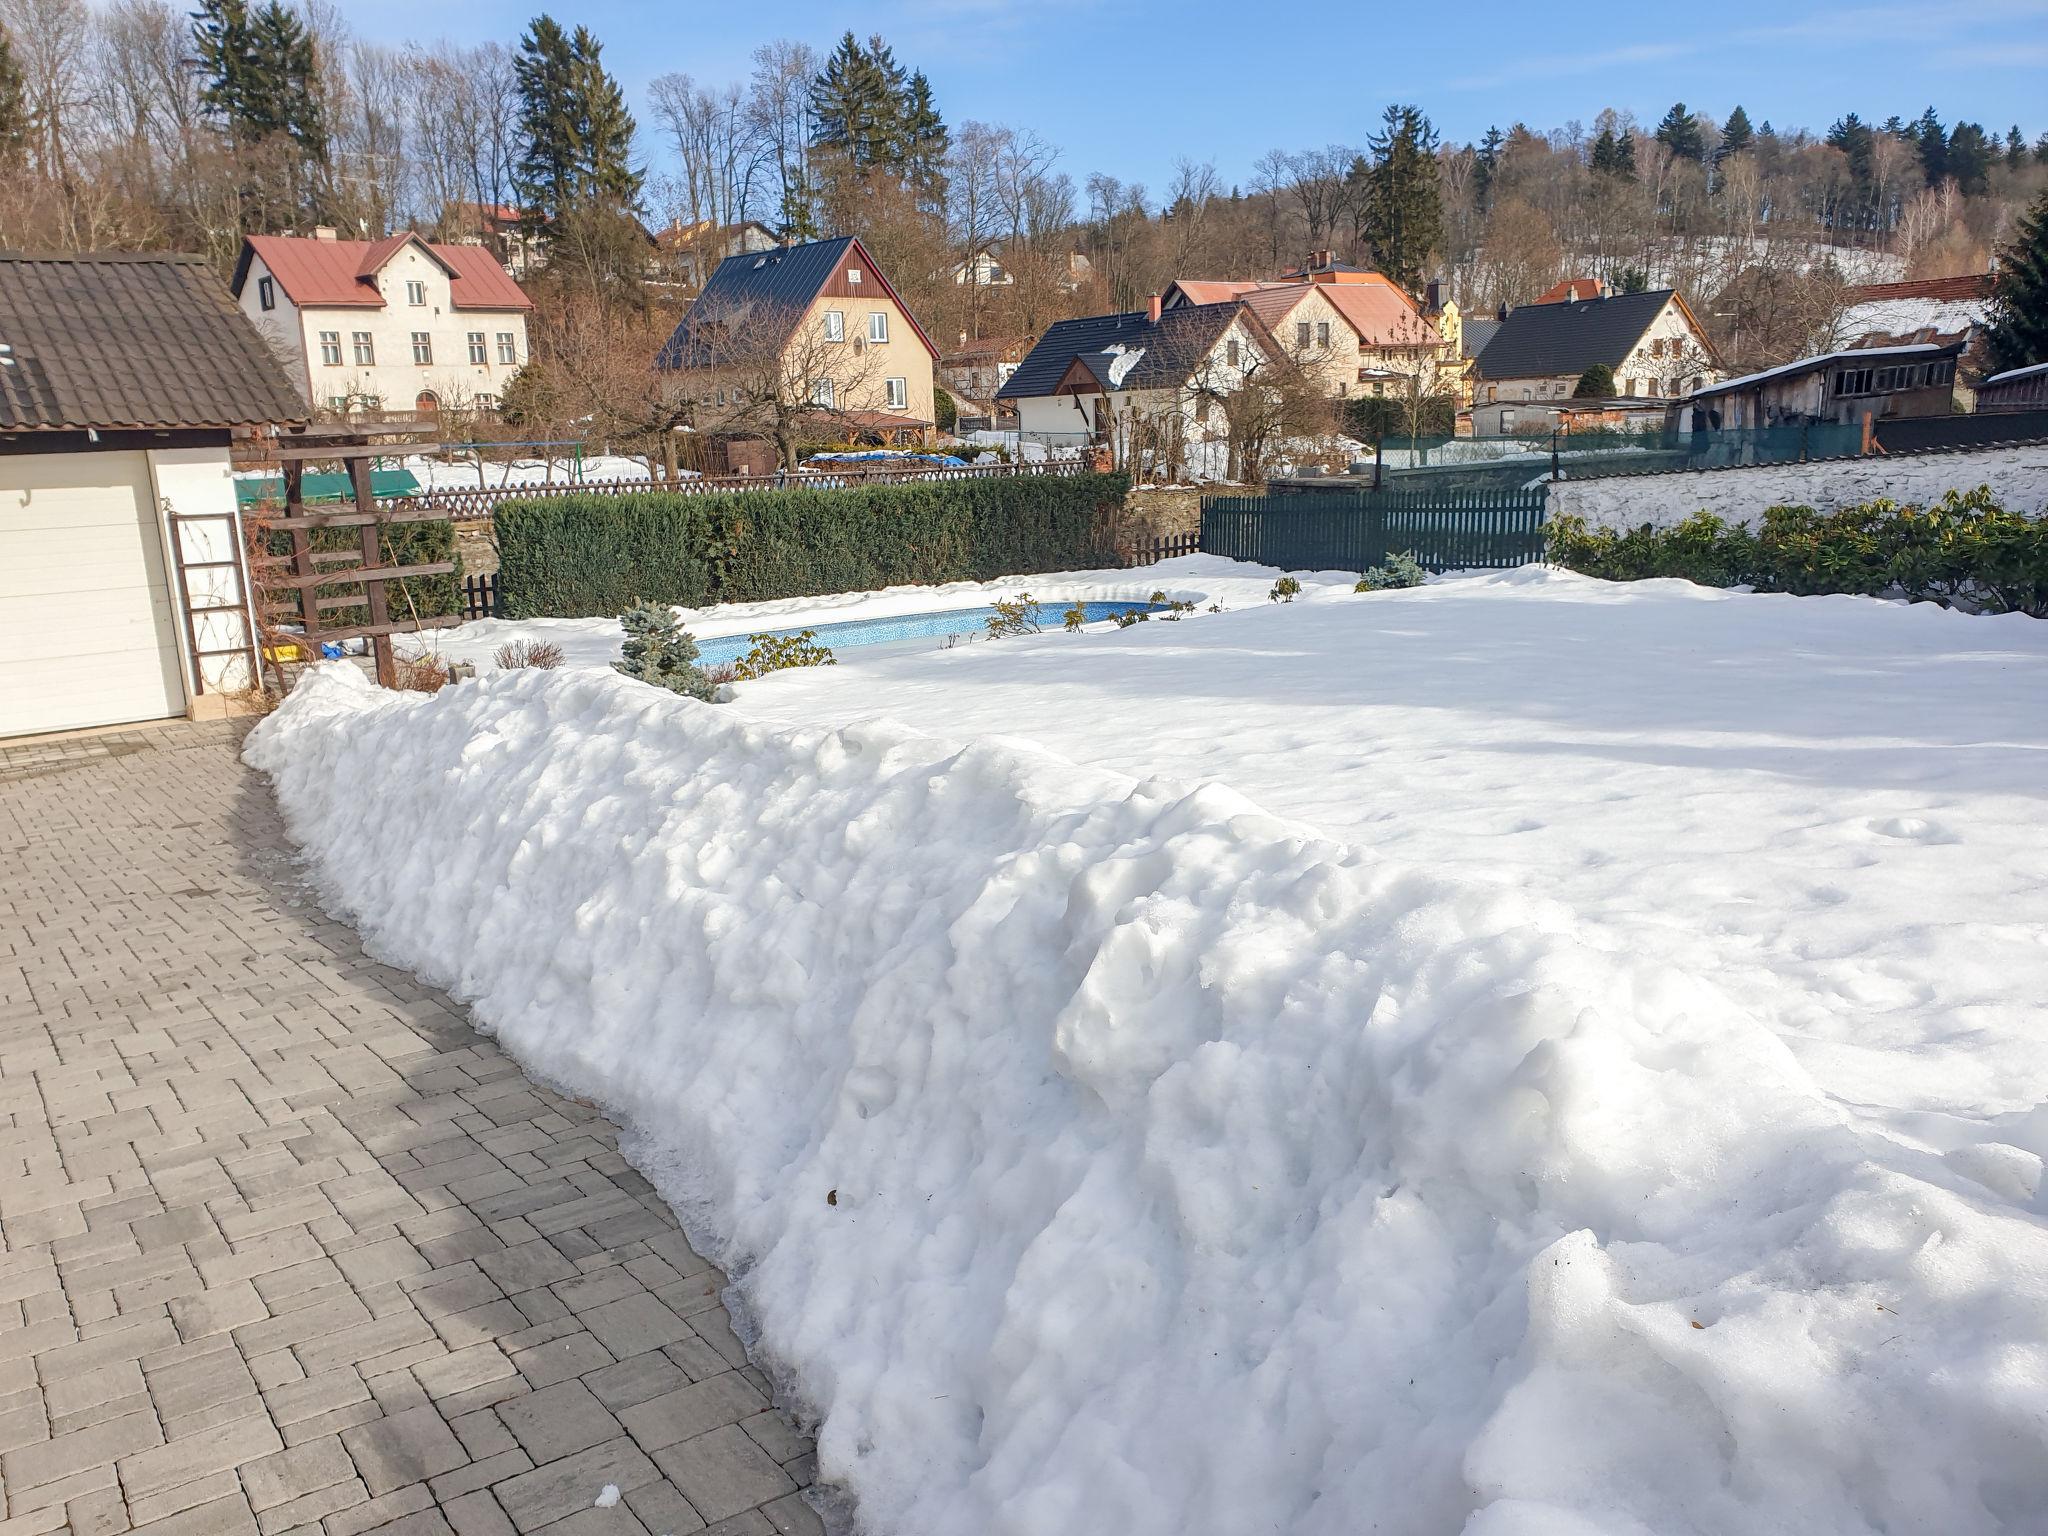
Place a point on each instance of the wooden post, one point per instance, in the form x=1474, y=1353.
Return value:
x=380, y=605
x=302, y=552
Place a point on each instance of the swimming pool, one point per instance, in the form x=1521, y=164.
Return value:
x=910, y=626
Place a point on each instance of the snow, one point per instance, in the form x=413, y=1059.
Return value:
x=1127, y=358
x=607, y=1496
x=1520, y=1055
x=1901, y=317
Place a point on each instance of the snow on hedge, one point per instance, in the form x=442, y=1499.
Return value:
x=1109, y=1156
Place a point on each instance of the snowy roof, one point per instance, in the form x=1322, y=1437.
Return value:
x=2017, y=373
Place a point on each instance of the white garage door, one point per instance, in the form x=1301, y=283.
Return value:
x=87, y=633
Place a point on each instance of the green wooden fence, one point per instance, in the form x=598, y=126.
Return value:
x=1354, y=530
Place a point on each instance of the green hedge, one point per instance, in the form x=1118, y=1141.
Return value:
x=1965, y=548
x=401, y=544
x=595, y=554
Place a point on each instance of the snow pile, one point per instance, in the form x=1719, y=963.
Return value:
x=1101, y=1155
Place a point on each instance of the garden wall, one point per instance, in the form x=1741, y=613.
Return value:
x=2018, y=478
x=599, y=554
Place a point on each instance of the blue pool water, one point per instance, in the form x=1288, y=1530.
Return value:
x=908, y=626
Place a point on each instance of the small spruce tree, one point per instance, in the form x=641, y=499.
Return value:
x=1596, y=383
x=657, y=651
x=2018, y=332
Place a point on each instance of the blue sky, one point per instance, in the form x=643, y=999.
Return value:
x=1126, y=88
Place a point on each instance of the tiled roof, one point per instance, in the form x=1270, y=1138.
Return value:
x=1273, y=305
x=1477, y=333
x=131, y=341
x=1553, y=340
x=1168, y=348
x=341, y=274
x=778, y=285
x=1571, y=291
x=1382, y=314
x=1974, y=285
x=1213, y=291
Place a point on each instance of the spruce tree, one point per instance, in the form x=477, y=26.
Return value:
x=1614, y=158
x=545, y=75
x=1852, y=136
x=855, y=106
x=925, y=140
x=2018, y=333
x=1736, y=135
x=658, y=651
x=1404, y=216
x=1680, y=133
x=605, y=177
x=1596, y=383
x=1486, y=165
x=2015, y=148
x=1932, y=142
x=14, y=123
x=1970, y=154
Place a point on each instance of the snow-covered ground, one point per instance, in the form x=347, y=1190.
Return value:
x=1522, y=1056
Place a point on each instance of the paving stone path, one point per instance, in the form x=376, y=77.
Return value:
x=287, y=1245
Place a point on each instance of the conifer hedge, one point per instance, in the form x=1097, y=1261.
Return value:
x=583, y=556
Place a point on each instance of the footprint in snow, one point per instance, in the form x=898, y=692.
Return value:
x=1913, y=829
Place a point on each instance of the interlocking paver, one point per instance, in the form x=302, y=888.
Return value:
x=288, y=1246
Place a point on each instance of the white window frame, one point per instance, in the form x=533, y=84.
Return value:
x=835, y=324
x=823, y=394
x=508, y=348
x=853, y=277
x=415, y=293
x=363, y=347
x=423, y=349
x=878, y=327
x=330, y=349
x=479, y=349
x=898, y=393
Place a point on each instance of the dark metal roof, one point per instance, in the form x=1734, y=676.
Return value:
x=1477, y=333
x=1172, y=346
x=776, y=285
x=126, y=341
x=1546, y=340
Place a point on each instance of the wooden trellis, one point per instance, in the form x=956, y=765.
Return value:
x=296, y=587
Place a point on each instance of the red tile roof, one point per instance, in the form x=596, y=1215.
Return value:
x=1973, y=285
x=331, y=274
x=1571, y=291
x=1381, y=313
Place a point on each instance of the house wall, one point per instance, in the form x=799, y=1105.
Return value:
x=395, y=379
x=2017, y=476
x=1335, y=366
x=198, y=482
x=1665, y=363
x=868, y=365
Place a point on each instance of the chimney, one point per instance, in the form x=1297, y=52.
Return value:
x=325, y=232
x=1435, y=295
x=1152, y=308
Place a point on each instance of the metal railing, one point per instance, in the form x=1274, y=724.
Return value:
x=1357, y=530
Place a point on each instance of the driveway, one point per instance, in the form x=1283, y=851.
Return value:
x=288, y=1246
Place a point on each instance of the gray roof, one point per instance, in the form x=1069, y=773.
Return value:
x=131, y=341
x=1540, y=341
x=1477, y=333
x=1824, y=360
x=777, y=284
x=1170, y=348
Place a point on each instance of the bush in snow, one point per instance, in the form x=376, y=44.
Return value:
x=1014, y=616
x=542, y=654
x=1964, y=549
x=1283, y=590
x=776, y=653
x=1401, y=570
x=1074, y=617
x=657, y=651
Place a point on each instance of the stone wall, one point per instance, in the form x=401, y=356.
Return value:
x=2018, y=476
x=1159, y=514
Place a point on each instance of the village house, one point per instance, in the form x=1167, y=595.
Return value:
x=693, y=251
x=974, y=371
x=1831, y=389
x=814, y=331
x=1655, y=346
x=382, y=326
x=123, y=589
x=1153, y=385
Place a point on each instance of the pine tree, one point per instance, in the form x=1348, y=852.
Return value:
x=1596, y=383
x=855, y=105
x=1970, y=153
x=1404, y=216
x=1933, y=145
x=926, y=140
x=2015, y=148
x=1680, y=133
x=14, y=123
x=2018, y=332
x=1614, y=157
x=1486, y=165
x=1852, y=136
x=545, y=177
x=604, y=129
x=658, y=651
x=1736, y=135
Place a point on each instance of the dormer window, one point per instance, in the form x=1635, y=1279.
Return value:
x=415, y=291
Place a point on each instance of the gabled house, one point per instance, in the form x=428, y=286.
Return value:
x=124, y=379
x=814, y=329
x=1651, y=341
x=973, y=371
x=1832, y=388
x=1153, y=386
x=693, y=251
x=379, y=326
x=1572, y=290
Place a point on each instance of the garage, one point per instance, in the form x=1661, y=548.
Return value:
x=124, y=380
x=88, y=631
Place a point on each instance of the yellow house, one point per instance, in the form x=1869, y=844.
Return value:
x=803, y=341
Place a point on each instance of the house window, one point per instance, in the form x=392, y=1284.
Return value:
x=835, y=325
x=330, y=348
x=1631, y=387
x=266, y=293
x=487, y=402
x=1343, y=389
x=508, y=348
x=899, y=393
x=478, y=352
x=338, y=404
x=821, y=394
x=878, y=327
x=1230, y=353
x=365, y=349
x=415, y=291
x=1322, y=333
x=853, y=277
x=1301, y=333
x=422, y=347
